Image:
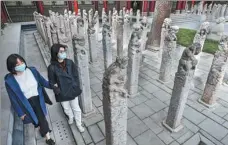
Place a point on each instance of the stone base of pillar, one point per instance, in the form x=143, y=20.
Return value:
x=144, y=14
x=134, y=95
x=212, y=106
x=171, y=129
x=151, y=13
x=177, y=12
x=160, y=81
x=87, y=115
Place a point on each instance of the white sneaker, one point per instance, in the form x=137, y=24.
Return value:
x=80, y=128
x=71, y=120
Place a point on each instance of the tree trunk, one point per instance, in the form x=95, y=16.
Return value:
x=162, y=11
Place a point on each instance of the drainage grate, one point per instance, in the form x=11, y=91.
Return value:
x=62, y=132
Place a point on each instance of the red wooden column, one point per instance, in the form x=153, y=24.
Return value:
x=69, y=3
x=105, y=5
x=151, y=7
x=128, y=4
x=118, y=5
x=95, y=5
x=40, y=7
x=4, y=16
x=145, y=8
x=76, y=7
x=178, y=6
x=193, y=2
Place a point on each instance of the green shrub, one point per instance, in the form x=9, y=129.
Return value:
x=185, y=38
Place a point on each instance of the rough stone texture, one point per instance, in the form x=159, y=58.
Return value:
x=82, y=62
x=134, y=55
x=215, y=76
x=126, y=32
x=115, y=102
x=162, y=11
x=92, y=42
x=107, y=45
x=164, y=30
x=144, y=23
x=119, y=33
x=182, y=84
x=168, y=53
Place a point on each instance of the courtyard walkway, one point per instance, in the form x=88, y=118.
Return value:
x=145, y=112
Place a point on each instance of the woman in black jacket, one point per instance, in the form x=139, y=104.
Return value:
x=63, y=76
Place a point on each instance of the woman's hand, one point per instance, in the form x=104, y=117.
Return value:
x=56, y=90
x=23, y=117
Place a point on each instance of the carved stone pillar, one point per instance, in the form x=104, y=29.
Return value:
x=48, y=23
x=168, y=54
x=216, y=74
x=134, y=55
x=119, y=31
x=115, y=103
x=107, y=45
x=165, y=28
x=92, y=43
x=126, y=33
x=81, y=57
x=182, y=84
x=114, y=27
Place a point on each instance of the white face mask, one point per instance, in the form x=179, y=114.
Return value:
x=62, y=55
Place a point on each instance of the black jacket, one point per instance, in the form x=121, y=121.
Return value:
x=67, y=81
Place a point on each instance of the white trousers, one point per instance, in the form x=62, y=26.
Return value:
x=72, y=109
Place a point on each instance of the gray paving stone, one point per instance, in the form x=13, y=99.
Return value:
x=100, y=95
x=155, y=104
x=101, y=110
x=226, y=117
x=94, y=80
x=190, y=125
x=215, y=141
x=135, y=126
x=148, y=138
x=142, y=111
x=152, y=125
x=220, y=111
x=97, y=102
x=150, y=88
x=174, y=143
x=159, y=117
x=225, y=140
x=165, y=137
x=193, y=115
x=95, y=132
x=180, y=133
x=194, y=96
x=196, y=105
x=225, y=124
x=130, y=114
x=213, y=116
x=139, y=99
x=97, y=87
x=101, y=125
x=103, y=142
x=162, y=95
x=213, y=128
x=56, y=113
x=130, y=103
x=143, y=81
x=86, y=136
x=130, y=141
x=147, y=94
x=93, y=119
x=185, y=137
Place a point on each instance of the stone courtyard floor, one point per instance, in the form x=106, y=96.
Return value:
x=145, y=112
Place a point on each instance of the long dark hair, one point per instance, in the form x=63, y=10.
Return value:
x=55, y=50
x=11, y=62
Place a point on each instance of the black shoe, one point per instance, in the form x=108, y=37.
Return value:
x=50, y=142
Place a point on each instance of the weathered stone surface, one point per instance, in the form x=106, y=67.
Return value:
x=82, y=62
x=168, y=54
x=92, y=42
x=164, y=30
x=107, y=45
x=134, y=55
x=216, y=73
x=119, y=33
x=115, y=102
x=182, y=84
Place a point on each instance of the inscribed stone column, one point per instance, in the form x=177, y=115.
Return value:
x=110, y=17
x=119, y=31
x=216, y=74
x=90, y=15
x=85, y=20
x=92, y=43
x=138, y=16
x=48, y=23
x=200, y=37
x=107, y=45
x=114, y=26
x=81, y=57
x=96, y=18
x=168, y=54
x=115, y=103
x=134, y=55
x=162, y=11
x=182, y=84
